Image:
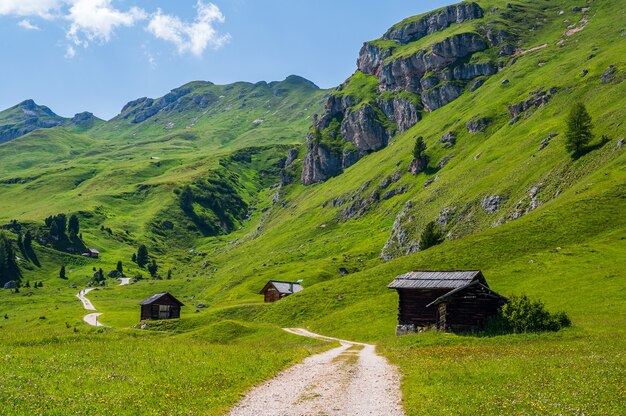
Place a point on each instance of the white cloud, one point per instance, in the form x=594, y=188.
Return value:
x=190, y=37
x=95, y=20
x=40, y=8
x=70, y=52
x=26, y=24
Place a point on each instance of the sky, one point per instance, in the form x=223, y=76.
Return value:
x=96, y=55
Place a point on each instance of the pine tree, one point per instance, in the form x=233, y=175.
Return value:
x=62, y=272
x=74, y=226
x=153, y=268
x=9, y=269
x=134, y=258
x=54, y=229
x=61, y=222
x=579, y=125
x=431, y=236
x=142, y=256
x=419, y=148
x=186, y=199
x=28, y=241
x=119, y=267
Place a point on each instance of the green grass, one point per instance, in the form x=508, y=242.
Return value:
x=568, y=251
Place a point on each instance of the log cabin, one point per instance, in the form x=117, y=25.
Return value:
x=456, y=301
x=161, y=306
x=92, y=253
x=275, y=290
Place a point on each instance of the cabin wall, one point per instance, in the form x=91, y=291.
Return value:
x=469, y=310
x=412, y=308
x=271, y=295
x=153, y=310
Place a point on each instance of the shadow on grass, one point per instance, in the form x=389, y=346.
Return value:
x=591, y=148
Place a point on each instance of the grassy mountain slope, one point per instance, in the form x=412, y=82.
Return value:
x=558, y=234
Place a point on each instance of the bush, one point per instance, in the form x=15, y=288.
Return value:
x=431, y=236
x=522, y=314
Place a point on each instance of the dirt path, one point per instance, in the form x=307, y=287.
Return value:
x=348, y=380
x=92, y=319
x=86, y=302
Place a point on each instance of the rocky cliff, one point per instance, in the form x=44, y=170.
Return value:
x=398, y=77
x=25, y=117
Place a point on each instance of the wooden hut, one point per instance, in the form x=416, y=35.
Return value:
x=446, y=300
x=91, y=253
x=161, y=306
x=275, y=290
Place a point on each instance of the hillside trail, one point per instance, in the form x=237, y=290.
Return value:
x=92, y=318
x=348, y=380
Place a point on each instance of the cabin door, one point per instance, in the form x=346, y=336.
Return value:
x=165, y=311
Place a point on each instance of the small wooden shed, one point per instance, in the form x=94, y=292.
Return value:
x=456, y=301
x=275, y=290
x=161, y=306
x=91, y=253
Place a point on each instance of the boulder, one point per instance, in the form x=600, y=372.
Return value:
x=478, y=124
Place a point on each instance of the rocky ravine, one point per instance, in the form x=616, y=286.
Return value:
x=408, y=82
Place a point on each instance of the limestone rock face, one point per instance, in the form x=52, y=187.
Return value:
x=400, y=111
x=398, y=84
x=405, y=73
x=434, y=22
x=320, y=164
x=363, y=128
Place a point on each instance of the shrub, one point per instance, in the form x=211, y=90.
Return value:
x=522, y=314
x=431, y=236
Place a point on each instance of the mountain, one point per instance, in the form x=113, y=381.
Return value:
x=26, y=117
x=227, y=196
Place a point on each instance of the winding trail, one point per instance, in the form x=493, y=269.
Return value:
x=92, y=318
x=348, y=380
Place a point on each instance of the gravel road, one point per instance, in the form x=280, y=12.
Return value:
x=348, y=380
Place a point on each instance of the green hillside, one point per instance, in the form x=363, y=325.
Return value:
x=200, y=177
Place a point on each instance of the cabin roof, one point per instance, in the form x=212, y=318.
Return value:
x=436, y=279
x=158, y=296
x=93, y=250
x=488, y=292
x=284, y=288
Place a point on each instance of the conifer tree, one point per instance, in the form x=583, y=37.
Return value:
x=73, y=226
x=62, y=272
x=431, y=236
x=579, y=125
x=142, y=256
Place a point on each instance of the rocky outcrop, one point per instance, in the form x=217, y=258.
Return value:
x=400, y=111
x=364, y=129
x=320, y=164
x=478, y=124
x=84, y=120
x=442, y=95
x=26, y=117
x=417, y=166
x=412, y=30
x=399, y=242
x=448, y=139
x=285, y=173
x=491, y=203
x=404, y=74
x=398, y=86
x=537, y=99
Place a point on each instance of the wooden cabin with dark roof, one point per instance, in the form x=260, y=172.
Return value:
x=161, y=306
x=275, y=290
x=454, y=301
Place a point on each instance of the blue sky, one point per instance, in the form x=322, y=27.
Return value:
x=96, y=55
